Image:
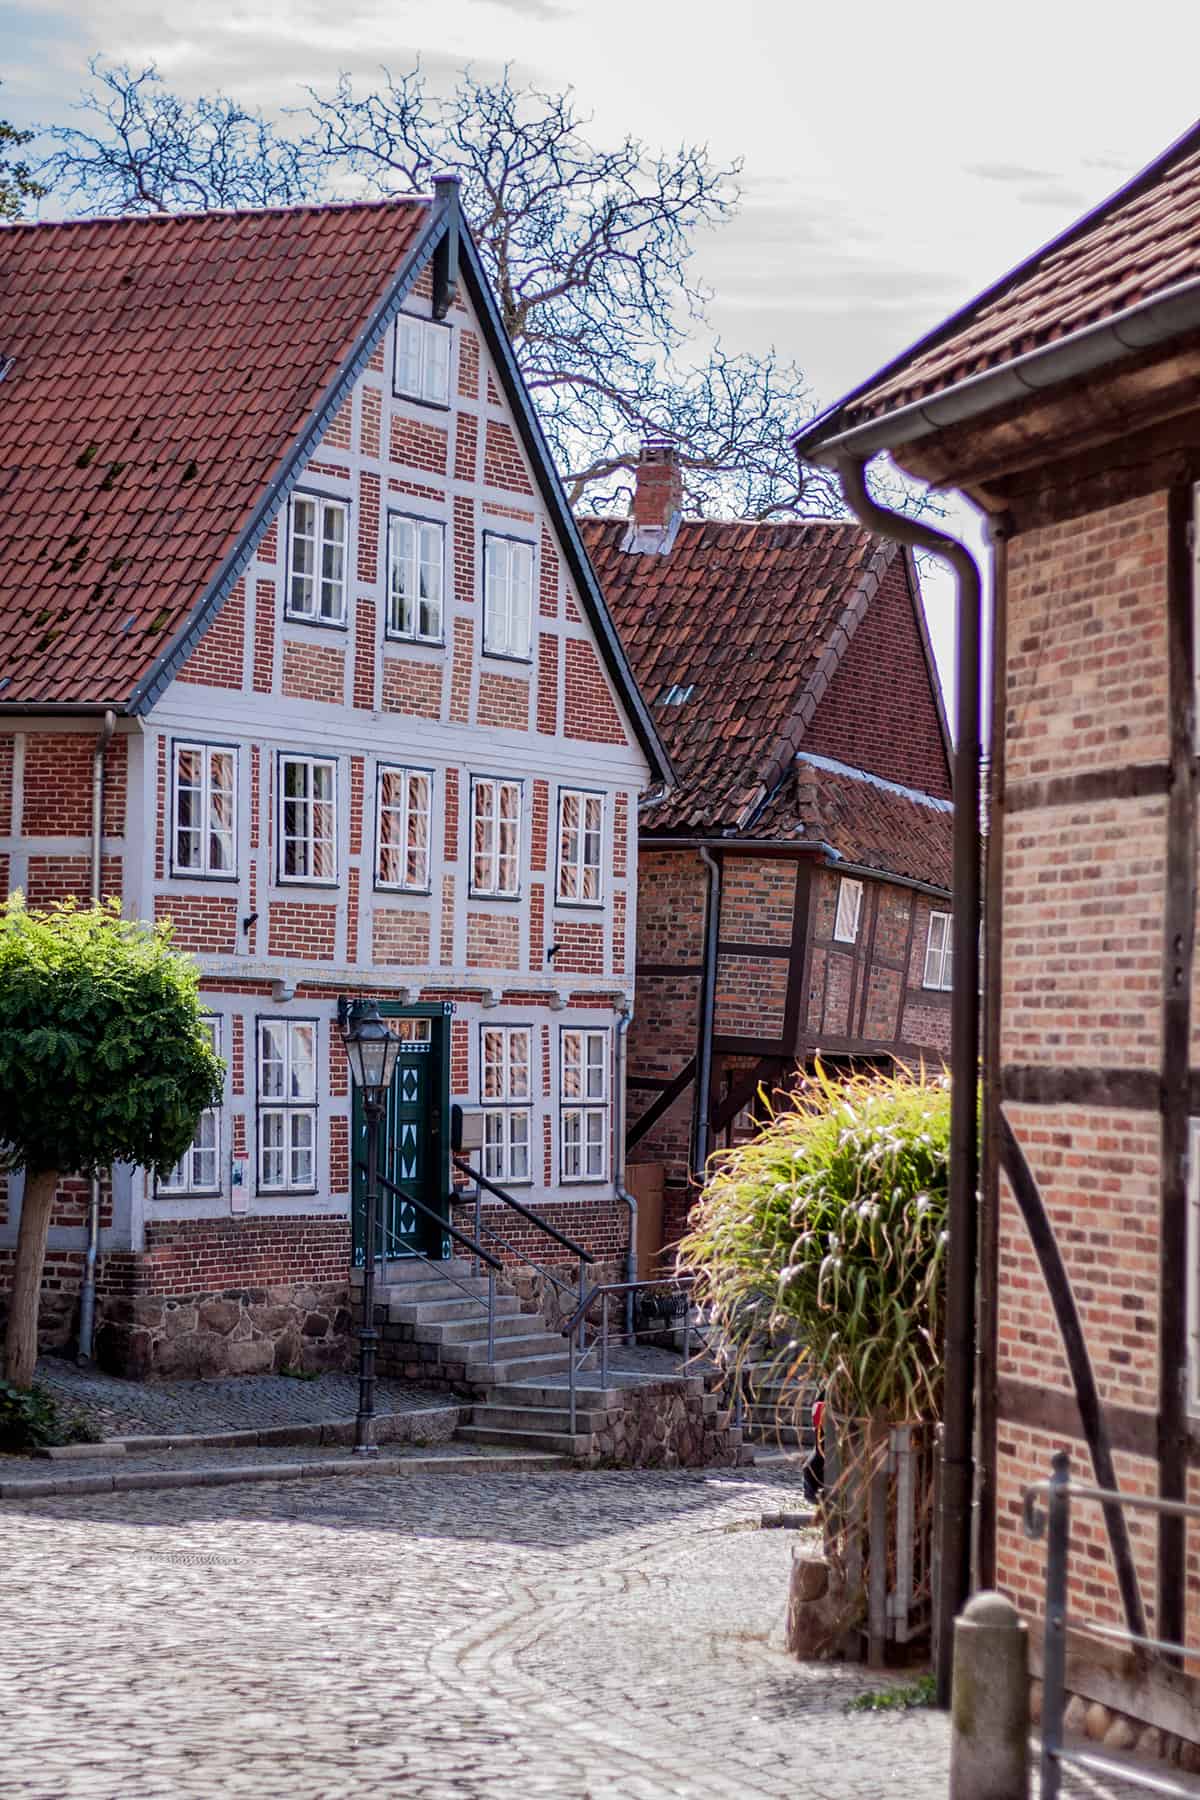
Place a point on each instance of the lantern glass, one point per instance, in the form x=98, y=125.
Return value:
x=371, y=1050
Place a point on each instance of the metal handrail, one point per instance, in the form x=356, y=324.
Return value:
x=577, y=1355
x=523, y=1256
x=498, y=1193
x=1054, y=1522
x=444, y=1274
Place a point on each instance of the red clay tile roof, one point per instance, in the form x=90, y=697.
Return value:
x=862, y=818
x=738, y=618
x=1138, y=243
x=162, y=368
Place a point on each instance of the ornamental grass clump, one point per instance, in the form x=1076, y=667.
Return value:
x=821, y=1244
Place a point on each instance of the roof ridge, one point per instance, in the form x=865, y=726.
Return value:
x=773, y=524
x=217, y=212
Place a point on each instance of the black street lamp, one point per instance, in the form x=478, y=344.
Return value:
x=371, y=1051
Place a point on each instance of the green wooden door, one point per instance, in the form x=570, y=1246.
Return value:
x=414, y=1154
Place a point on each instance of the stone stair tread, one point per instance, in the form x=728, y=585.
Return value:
x=512, y=1369
x=540, y=1418
x=559, y=1441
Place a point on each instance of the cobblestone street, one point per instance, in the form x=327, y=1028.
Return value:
x=567, y=1635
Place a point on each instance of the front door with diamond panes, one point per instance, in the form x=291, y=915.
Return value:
x=414, y=1154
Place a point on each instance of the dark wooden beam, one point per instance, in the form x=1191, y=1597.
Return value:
x=1135, y=781
x=1135, y=1090
x=725, y=949
x=744, y=1090
x=646, y=1121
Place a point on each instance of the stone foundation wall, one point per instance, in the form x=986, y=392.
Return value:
x=236, y=1331
x=668, y=1425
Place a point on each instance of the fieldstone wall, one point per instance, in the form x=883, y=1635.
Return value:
x=671, y=1424
x=237, y=1331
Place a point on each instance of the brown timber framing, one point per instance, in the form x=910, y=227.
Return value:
x=1178, y=943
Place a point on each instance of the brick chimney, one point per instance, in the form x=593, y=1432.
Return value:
x=657, y=499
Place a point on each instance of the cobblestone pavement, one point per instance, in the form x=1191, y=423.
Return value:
x=121, y=1408
x=575, y=1636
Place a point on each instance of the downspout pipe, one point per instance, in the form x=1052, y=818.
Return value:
x=624, y=1021
x=958, y=1431
x=87, y=1291
x=708, y=994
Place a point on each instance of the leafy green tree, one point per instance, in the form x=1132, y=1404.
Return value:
x=826, y=1235
x=17, y=184
x=102, y=1060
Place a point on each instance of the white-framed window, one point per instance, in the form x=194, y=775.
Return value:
x=580, y=830
x=506, y=1086
x=583, y=1095
x=849, y=911
x=416, y=560
x=204, y=810
x=507, y=595
x=287, y=1105
x=317, y=560
x=938, y=947
x=422, y=366
x=307, y=818
x=495, y=836
x=198, y=1171
x=402, y=835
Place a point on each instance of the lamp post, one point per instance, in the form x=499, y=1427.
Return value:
x=371, y=1051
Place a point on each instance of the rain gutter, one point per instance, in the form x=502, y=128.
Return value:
x=957, y=1463
x=708, y=993
x=624, y=1020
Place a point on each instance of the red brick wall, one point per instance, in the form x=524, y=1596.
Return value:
x=504, y=701
x=547, y=683
x=264, y=636
x=219, y=659
x=503, y=466
x=314, y=672
x=412, y=687
x=301, y=928
x=6, y=783
x=364, y=655
x=493, y=941
x=203, y=922
x=758, y=897
x=879, y=711
x=580, y=946
x=53, y=878
x=58, y=784
x=401, y=937
x=418, y=445
x=590, y=712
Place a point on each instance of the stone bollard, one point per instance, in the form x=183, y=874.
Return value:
x=989, y=1707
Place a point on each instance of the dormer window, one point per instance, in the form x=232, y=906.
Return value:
x=422, y=370
x=677, y=694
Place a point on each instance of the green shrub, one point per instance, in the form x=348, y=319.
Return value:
x=828, y=1230
x=31, y=1417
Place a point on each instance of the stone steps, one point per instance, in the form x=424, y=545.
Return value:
x=515, y=1368
x=454, y=1308
x=541, y=1418
x=529, y=1438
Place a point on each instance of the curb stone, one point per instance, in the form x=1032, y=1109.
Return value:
x=330, y=1431
x=219, y=1475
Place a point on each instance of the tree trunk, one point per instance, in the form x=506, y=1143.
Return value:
x=20, y=1346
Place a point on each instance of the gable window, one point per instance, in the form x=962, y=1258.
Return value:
x=495, y=836
x=849, y=911
x=938, y=948
x=507, y=595
x=423, y=360
x=580, y=820
x=402, y=848
x=308, y=822
x=317, y=560
x=505, y=1092
x=199, y=1169
x=416, y=555
x=204, y=810
x=287, y=1105
x=583, y=1105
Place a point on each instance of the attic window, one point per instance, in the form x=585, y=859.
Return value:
x=676, y=694
x=422, y=365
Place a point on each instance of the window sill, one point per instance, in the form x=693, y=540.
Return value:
x=442, y=406
x=482, y=894
x=585, y=906
x=413, y=643
x=323, y=885
x=227, y=880
x=287, y=1193
x=188, y=1194
x=291, y=618
x=403, y=893
x=522, y=659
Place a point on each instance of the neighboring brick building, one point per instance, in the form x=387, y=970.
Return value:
x=793, y=890
x=1063, y=401
x=276, y=502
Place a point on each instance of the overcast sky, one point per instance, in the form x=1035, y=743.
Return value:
x=896, y=158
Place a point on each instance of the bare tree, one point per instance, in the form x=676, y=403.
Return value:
x=590, y=252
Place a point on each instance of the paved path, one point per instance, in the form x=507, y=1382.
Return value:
x=121, y=1408
x=568, y=1636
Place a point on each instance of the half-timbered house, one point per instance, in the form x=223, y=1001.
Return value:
x=300, y=650
x=794, y=886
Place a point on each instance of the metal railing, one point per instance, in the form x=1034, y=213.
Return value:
x=1054, y=1523
x=583, y=1257
x=575, y=1330
x=439, y=1268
